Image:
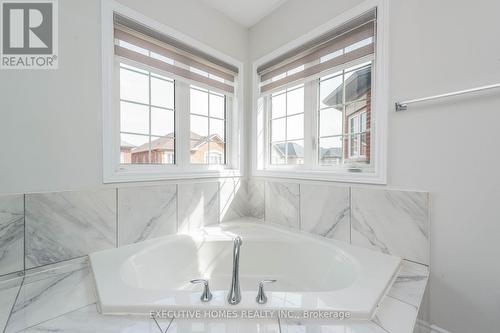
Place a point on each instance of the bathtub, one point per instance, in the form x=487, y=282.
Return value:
x=312, y=273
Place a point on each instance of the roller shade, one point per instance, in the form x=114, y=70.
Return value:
x=353, y=40
x=137, y=44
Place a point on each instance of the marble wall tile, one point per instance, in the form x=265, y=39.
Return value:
x=11, y=233
x=9, y=288
x=395, y=222
x=255, y=190
x=282, y=204
x=146, y=212
x=233, y=199
x=410, y=283
x=198, y=205
x=395, y=316
x=46, y=298
x=65, y=225
x=324, y=211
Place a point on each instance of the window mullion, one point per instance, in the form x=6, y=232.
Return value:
x=149, y=115
x=182, y=123
x=310, y=120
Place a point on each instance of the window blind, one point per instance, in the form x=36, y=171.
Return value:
x=353, y=40
x=143, y=45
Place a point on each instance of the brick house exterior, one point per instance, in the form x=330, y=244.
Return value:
x=163, y=150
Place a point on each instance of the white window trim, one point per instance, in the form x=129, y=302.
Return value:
x=113, y=171
x=379, y=107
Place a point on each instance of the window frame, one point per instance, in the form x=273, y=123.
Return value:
x=113, y=170
x=310, y=170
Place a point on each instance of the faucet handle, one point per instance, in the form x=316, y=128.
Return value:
x=206, y=296
x=261, y=296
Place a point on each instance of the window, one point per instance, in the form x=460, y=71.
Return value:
x=287, y=126
x=315, y=115
x=170, y=109
x=344, y=104
x=208, y=126
x=147, y=125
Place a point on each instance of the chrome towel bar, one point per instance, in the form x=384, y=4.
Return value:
x=402, y=106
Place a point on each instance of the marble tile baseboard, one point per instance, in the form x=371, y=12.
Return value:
x=11, y=233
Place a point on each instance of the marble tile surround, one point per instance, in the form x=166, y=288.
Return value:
x=282, y=204
x=11, y=233
x=146, y=212
x=327, y=206
x=66, y=225
x=241, y=198
x=198, y=205
x=389, y=221
x=325, y=211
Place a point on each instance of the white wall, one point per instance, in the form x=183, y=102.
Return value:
x=50, y=121
x=449, y=148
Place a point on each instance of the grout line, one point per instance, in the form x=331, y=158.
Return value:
x=218, y=195
x=169, y=324
x=24, y=232
x=377, y=324
x=58, y=316
x=402, y=301
x=54, y=263
x=13, y=305
x=300, y=212
x=350, y=215
x=116, y=213
x=416, y=262
x=177, y=207
x=15, y=275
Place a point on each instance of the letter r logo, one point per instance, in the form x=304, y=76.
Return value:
x=27, y=27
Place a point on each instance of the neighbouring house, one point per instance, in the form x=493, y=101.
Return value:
x=293, y=150
x=357, y=116
x=204, y=150
x=207, y=150
x=126, y=152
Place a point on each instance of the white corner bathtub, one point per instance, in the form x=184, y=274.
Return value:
x=312, y=273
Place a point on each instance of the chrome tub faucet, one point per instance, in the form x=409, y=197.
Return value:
x=234, y=296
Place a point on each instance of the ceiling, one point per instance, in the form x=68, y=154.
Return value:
x=245, y=12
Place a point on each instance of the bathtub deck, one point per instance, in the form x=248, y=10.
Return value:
x=61, y=298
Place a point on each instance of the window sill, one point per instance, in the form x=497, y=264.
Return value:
x=346, y=177
x=129, y=175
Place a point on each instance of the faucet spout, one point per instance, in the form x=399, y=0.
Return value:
x=234, y=296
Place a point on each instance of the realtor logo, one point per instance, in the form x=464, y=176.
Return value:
x=29, y=34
